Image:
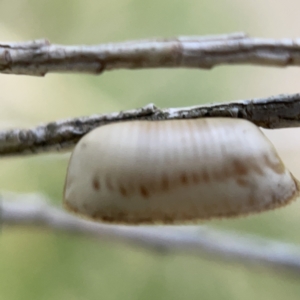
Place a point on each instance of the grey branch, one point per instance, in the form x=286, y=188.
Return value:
x=274, y=112
x=41, y=57
x=32, y=210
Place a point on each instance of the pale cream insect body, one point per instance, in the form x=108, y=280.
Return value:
x=176, y=171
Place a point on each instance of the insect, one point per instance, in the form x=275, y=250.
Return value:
x=176, y=171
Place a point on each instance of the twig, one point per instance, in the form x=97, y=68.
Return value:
x=274, y=112
x=195, y=240
x=40, y=57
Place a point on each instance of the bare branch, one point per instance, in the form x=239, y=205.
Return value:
x=32, y=210
x=40, y=57
x=274, y=112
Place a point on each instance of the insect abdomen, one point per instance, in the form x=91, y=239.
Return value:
x=176, y=171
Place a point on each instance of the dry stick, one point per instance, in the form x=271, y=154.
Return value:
x=193, y=240
x=40, y=57
x=274, y=112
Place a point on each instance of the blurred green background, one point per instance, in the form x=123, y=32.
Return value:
x=42, y=265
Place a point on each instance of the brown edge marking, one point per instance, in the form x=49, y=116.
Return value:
x=278, y=167
x=123, y=191
x=70, y=208
x=144, y=192
x=239, y=167
x=236, y=170
x=96, y=183
x=186, y=219
x=184, y=178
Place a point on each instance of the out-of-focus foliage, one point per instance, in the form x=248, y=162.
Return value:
x=42, y=265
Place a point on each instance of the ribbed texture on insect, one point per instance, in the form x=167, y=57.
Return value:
x=176, y=171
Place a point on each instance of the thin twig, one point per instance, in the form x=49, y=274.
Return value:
x=41, y=57
x=193, y=240
x=274, y=112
